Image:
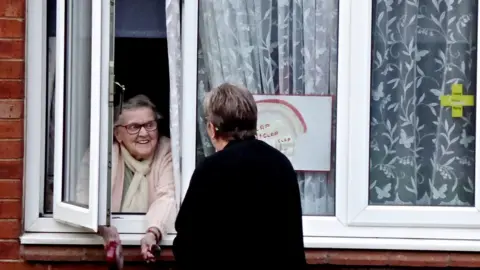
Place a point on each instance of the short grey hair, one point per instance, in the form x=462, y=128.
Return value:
x=232, y=111
x=136, y=102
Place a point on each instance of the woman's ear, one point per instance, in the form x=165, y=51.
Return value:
x=116, y=134
x=211, y=130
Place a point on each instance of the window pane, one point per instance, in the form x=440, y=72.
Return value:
x=423, y=61
x=77, y=100
x=284, y=48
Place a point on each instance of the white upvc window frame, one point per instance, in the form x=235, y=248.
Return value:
x=86, y=217
x=356, y=225
x=35, y=89
x=45, y=229
x=429, y=228
x=439, y=222
x=360, y=213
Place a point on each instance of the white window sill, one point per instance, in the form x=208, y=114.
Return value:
x=310, y=242
x=83, y=239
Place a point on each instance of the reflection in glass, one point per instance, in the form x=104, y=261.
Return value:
x=422, y=152
x=77, y=99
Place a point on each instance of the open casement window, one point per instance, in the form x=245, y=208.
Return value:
x=72, y=63
x=81, y=112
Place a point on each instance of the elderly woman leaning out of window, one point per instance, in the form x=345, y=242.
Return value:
x=142, y=177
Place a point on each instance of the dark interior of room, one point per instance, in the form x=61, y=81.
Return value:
x=141, y=65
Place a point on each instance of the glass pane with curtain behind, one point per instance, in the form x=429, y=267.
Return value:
x=422, y=133
x=285, y=48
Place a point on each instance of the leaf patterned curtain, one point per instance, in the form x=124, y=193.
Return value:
x=419, y=153
x=271, y=47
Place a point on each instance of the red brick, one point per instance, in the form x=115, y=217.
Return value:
x=11, y=109
x=143, y=266
x=10, y=209
x=12, y=8
x=77, y=257
x=11, y=149
x=357, y=258
x=11, y=69
x=10, y=189
x=419, y=259
x=76, y=266
x=12, y=28
x=11, y=169
x=11, y=129
x=10, y=229
x=11, y=49
x=53, y=253
x=20, y=265
x=465, y=260
x=102, y=266
x=9, y=250
x=316, y=256
x=11, y=89
x=85, y=254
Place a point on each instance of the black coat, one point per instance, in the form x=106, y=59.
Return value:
x=242, y=210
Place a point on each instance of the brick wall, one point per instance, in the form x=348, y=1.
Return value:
x=12, y=34
x=16, y=257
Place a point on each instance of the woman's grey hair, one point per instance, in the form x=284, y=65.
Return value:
x=232, y=111
x=136, y=102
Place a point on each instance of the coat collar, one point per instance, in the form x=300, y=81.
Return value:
x=237, y=141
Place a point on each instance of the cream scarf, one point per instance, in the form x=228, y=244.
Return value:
x=136, y=198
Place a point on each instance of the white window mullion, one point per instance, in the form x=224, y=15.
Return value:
x=97, y=101
x=189, y=93
x=35, y=110
x=359, y=108
x=107, y=22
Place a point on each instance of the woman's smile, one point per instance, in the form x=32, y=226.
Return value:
x=138, y=132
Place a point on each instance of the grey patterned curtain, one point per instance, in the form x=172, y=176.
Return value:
x=271, y=47
x=419, y=153
x=173, y=21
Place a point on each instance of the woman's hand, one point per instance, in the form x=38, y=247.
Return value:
x=113, y=246
x=148, y=245
x=109, y=234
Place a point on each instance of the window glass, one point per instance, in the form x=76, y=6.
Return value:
x=76, y=111
x=422, y=134
x=76, y=102
x=287, y=49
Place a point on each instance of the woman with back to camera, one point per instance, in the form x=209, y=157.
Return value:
x=142, y=177
x=242, y=209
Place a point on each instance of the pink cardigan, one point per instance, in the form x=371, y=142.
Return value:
x=161, y=186
x=162, y=211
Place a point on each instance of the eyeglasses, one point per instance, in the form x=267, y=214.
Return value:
x=134, y=128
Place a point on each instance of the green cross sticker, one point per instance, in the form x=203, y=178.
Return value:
x=457, y=100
